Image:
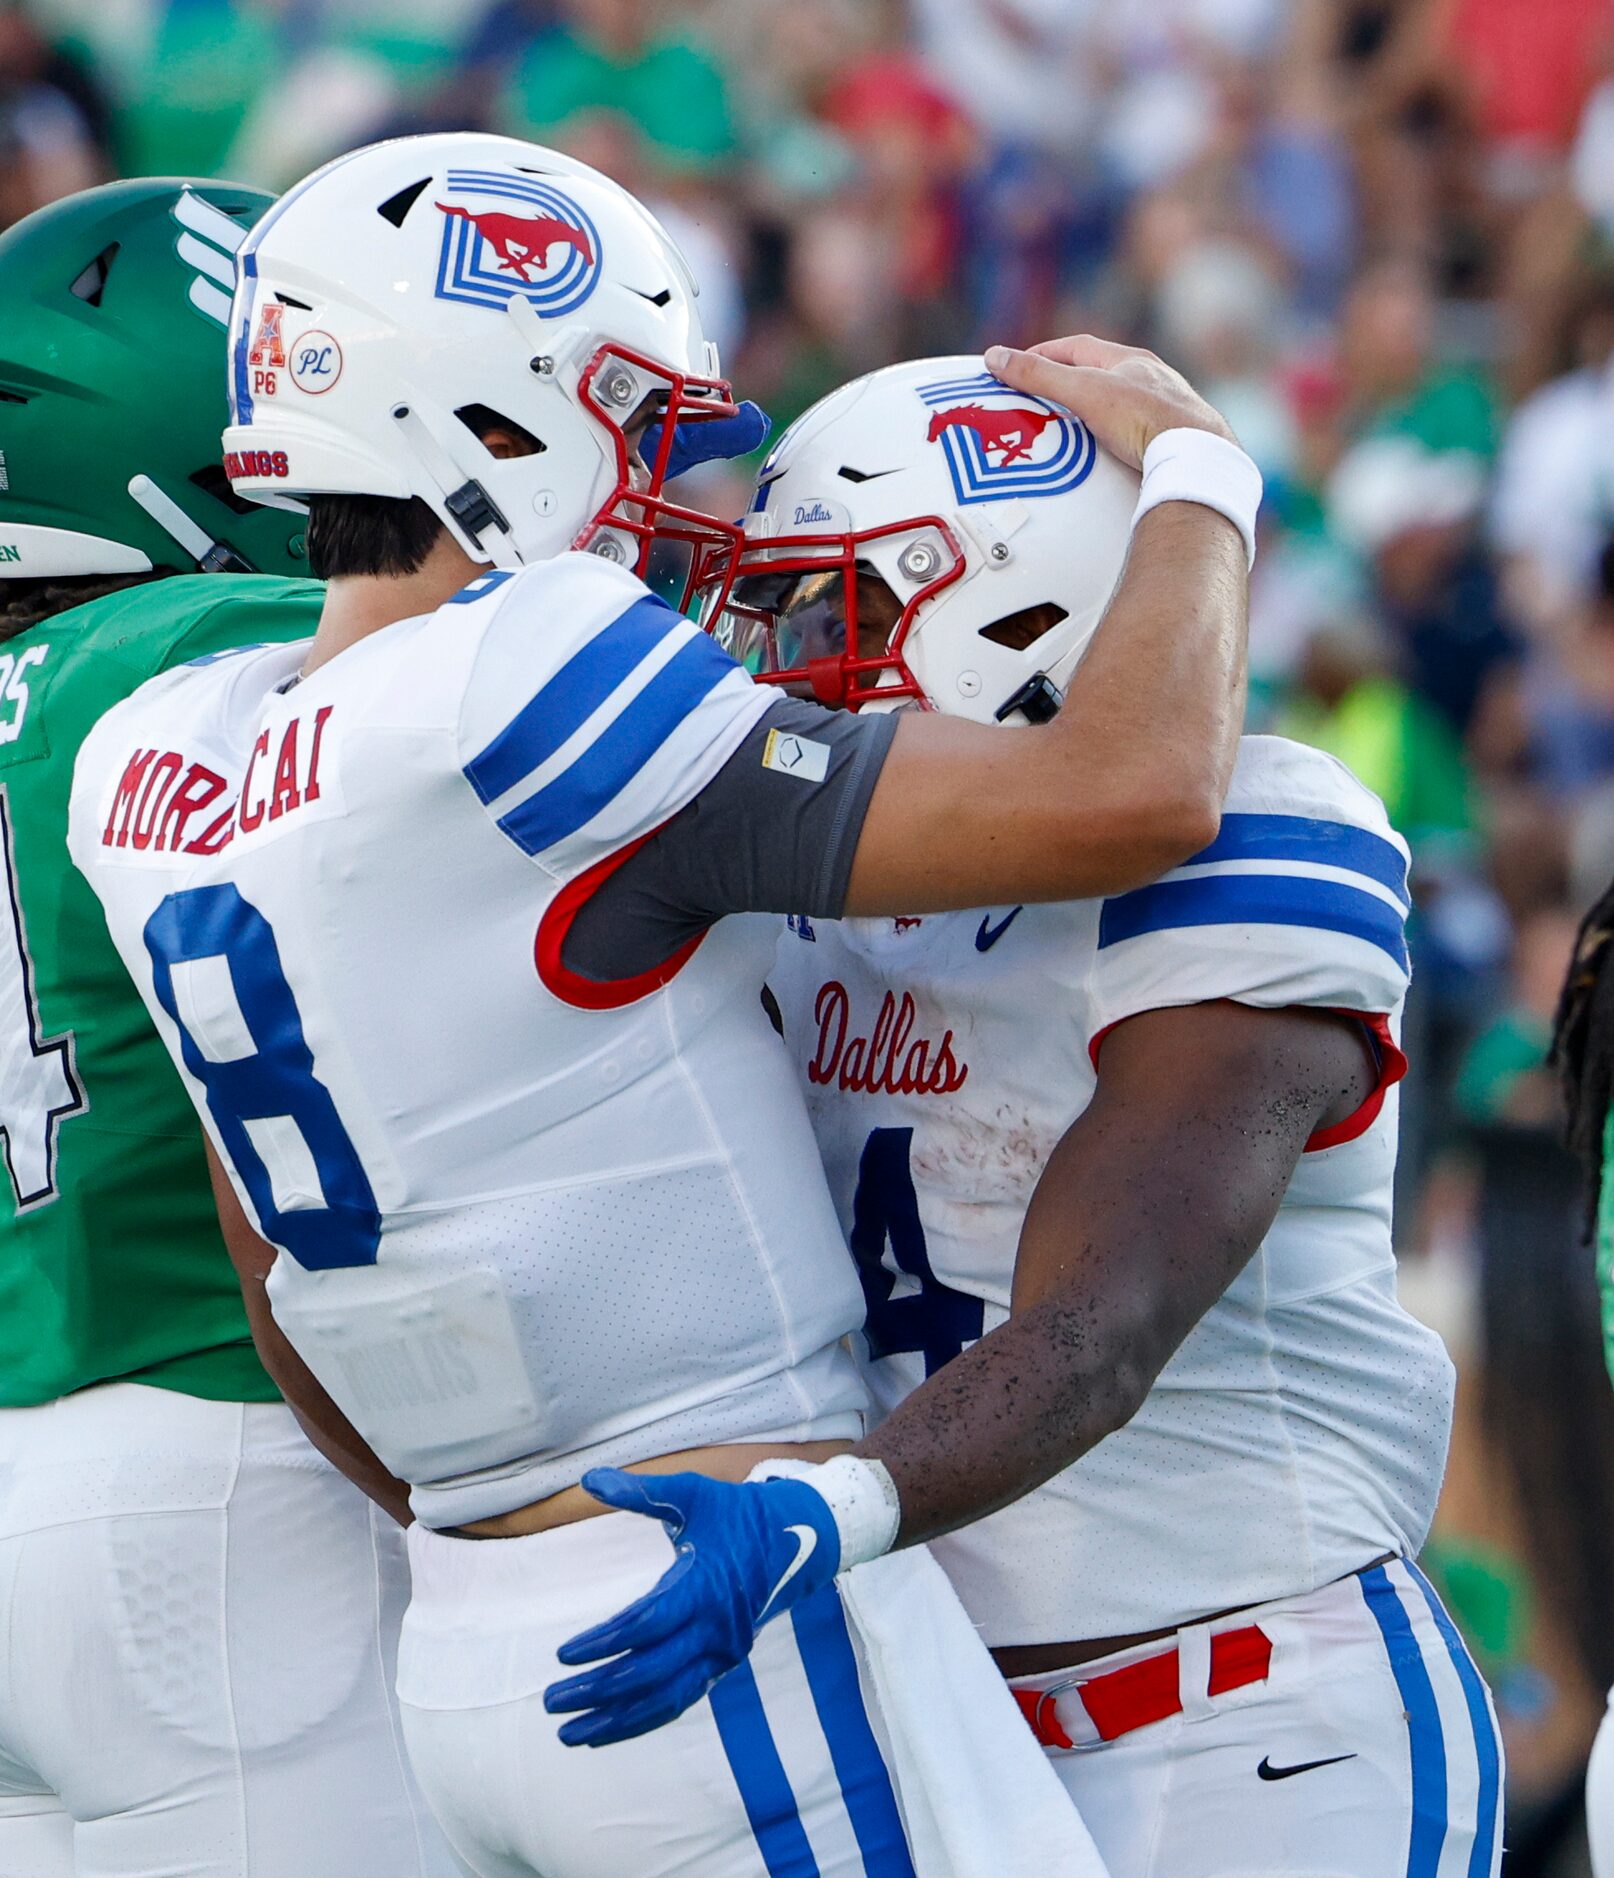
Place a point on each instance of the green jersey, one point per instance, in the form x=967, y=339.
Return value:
x=111, y=1262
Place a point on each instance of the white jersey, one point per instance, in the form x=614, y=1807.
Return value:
x=528, y=1223
x=1301, y=1429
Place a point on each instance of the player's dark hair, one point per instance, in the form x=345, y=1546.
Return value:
x=369, y=535
x=25, y=603
x=1583, y=1043
x=390, y=534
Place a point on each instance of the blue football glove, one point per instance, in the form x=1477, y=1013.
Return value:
x=746, y=1552
x=709, y=440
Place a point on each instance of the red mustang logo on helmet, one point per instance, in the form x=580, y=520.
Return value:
x=1013, y=431
x=522, y=242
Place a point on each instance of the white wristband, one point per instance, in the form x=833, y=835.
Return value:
x=860, y=1493
x=1197, y=466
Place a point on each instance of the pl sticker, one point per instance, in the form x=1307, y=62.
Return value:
x=316, y=362
x=1000, y=442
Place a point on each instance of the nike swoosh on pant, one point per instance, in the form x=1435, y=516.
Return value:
x=1266, y=1771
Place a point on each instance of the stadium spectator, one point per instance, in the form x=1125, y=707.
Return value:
x=54, y=120
x=630, y=62
x=1380, y=232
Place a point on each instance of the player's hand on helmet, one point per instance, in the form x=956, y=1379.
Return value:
x=1124, y=395
x=746, y=1552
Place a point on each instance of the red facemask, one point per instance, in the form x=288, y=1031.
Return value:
x=787, y=609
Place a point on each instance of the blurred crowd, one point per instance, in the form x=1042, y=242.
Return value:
x=1379, y=234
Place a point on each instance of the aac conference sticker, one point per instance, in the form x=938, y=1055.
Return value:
x=316, y=362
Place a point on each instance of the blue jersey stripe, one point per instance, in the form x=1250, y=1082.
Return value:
x=1426, y=1743
x=871, y=1803
x=1255, y=900
x=621, y=750
x=570, y=697
x=1486, y=1750
x=765, y=1792
x=1304, y=838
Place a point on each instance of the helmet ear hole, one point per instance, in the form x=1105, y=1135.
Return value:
x=91, y=283
x=1021, y=630
x=480, y=419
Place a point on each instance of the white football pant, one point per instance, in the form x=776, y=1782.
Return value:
x=196, y=1664
x=782, y=1770
x=1370, y=1750
x=1600, y=1796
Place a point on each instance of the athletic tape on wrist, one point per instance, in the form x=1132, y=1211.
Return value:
x=1197, y=466
x=861, y=1495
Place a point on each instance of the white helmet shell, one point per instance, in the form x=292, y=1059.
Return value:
x=973, y=502
x=398, y=296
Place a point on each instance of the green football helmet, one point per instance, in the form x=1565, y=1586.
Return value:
x=114, y=306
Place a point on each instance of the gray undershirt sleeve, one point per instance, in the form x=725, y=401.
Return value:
x=775, y=831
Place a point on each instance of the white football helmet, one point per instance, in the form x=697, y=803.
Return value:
x=409, y=292
x=972, y=502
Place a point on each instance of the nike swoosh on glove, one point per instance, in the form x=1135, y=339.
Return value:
x=747, y=1551
x=709, y=439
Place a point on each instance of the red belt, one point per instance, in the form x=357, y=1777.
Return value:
x=1141, y=1693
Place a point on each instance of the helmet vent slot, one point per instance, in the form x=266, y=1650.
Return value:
x=288, y=299
x=12, y=397
x=395, y=208
x=655, y=299
x=91, y=284
x=212, y=481
x=479, y=419
x=1022, y=629
x=861, y=476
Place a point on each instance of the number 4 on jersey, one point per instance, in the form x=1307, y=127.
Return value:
x=39, y=1085
x=931, y=1317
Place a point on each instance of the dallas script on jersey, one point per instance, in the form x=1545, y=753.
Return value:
x=884, y=1062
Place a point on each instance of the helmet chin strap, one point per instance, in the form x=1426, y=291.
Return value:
x=211, y=556
x=1038, y=701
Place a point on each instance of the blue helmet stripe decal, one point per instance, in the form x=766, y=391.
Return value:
x=242, y=405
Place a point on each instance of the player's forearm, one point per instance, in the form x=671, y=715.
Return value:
x=1023, y=1404
x=1125, y=784
x=1146, y=741
x=1147, y=1210
x=328, y=1429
